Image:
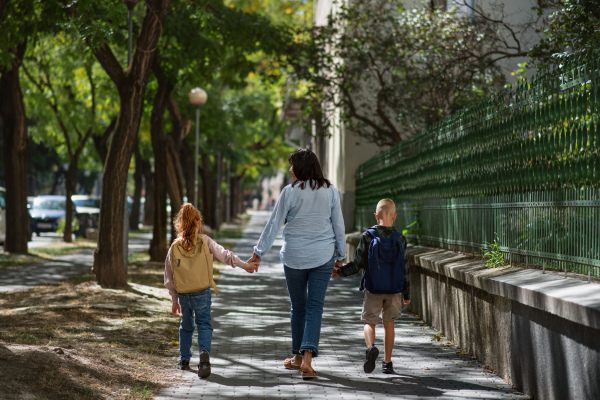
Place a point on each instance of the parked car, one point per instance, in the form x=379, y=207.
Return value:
x=47, y=211
x=86, y=201
x=87, y=211
x=3, y=218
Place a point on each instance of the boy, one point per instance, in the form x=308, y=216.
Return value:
x=388, y=305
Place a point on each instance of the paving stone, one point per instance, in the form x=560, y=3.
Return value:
x=252, y=337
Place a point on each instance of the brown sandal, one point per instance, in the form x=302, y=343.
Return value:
x=309, y=374
x=288, y=363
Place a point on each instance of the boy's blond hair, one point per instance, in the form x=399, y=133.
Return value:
x=385, y=207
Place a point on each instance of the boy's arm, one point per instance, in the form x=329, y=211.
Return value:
x=360, y=258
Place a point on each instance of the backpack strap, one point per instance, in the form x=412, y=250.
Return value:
x=373, y=232
x=214, y=286
x=395, y=236
x=210, y=265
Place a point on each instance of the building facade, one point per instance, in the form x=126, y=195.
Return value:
x=341, y=151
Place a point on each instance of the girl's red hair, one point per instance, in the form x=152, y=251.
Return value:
x=186, y=223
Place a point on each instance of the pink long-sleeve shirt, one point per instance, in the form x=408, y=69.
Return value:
x=219, y=253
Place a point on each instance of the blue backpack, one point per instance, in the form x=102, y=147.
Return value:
x=385, y=273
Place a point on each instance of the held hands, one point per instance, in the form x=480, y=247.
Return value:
x=252, y=264
x=338, y=264
x=406, y=303
x=251, y=267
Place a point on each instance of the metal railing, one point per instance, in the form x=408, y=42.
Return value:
x=522, y=168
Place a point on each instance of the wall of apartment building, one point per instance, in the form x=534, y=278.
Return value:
x=344, y=150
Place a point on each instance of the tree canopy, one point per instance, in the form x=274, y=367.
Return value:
x=572, y=25
x=395, y=71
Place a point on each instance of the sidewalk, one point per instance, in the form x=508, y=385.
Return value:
x=252, y=338
x=59, y=268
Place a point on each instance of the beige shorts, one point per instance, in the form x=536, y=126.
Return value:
x=389, y=306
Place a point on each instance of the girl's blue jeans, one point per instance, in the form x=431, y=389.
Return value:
x=307, y=289
x=195, y=307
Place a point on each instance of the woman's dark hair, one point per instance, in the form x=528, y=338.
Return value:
x=306, y=167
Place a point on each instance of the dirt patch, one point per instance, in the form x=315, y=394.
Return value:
x=77, y=340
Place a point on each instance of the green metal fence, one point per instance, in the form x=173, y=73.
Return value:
x=522, y=168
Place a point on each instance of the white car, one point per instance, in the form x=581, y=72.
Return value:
x=47, y=212
x=87, y=211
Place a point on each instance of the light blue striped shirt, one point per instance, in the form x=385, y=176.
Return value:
x=314, y=231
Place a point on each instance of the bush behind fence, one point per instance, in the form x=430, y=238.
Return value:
x=522, y=168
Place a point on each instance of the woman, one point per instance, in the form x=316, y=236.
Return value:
x=313, y=243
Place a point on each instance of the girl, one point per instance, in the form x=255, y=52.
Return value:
x=189, y=277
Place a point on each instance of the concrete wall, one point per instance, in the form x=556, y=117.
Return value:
x=541, y=332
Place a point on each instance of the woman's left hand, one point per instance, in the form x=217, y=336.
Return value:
x=251, y=267
x=252, y=262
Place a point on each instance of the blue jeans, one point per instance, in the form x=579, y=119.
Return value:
x=194, y=306
x=307, y=289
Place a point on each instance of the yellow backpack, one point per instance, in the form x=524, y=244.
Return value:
x=192, y=269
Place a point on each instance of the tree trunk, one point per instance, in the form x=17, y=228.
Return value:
x=174, y=179
x=109, y=261
x=109, y=266
x=14, y=127
x=158, y=244
x=149, y=186
x=68, y=229
x=138, y=178
x=173, y=187
x=3, y=4
x=101, y=142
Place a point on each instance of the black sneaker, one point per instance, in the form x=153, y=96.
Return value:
x=183, y=365
x=204, y=366
x=387, y=367
x=372, y=353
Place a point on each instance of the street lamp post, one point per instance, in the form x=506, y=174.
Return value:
x=197, y=97
x=130, y=6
